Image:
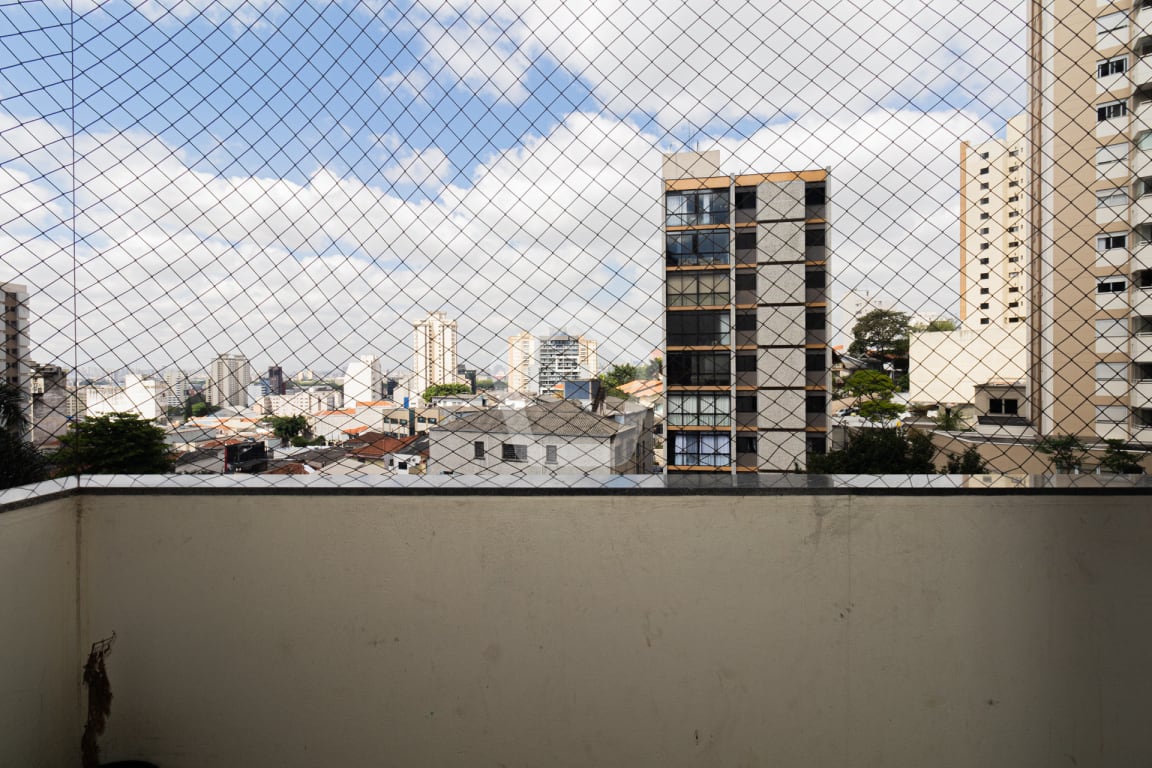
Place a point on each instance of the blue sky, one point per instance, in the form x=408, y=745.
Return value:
x=302, y=181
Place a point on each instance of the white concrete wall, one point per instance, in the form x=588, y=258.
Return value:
x=574, y=630
x=946, y=366
x=40, y=660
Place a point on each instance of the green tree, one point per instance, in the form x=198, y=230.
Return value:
x=12, y=415
x=303, y=442
x=879, y=451
x=970, y=462
x=1067, y=452
x=116, y=443
x=874, y=390
x=950, y=420
x=621, y=373
x=287, y=427
x=654, y=368
x=444, y=390
x=881, y=332
x=20, y=462
x=935, y=326
x=1120, y=461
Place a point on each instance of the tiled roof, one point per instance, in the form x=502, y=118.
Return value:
x=384, y=446
x=562, y=418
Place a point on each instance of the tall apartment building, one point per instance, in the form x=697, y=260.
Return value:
x=15, y=307
x=275, y=379
x=746, y=356
x=364, y=381
x=433, y=352
x=993, y=229
x=564, y=357
x=228, y=380
x=523, y=365
x=1091, y=223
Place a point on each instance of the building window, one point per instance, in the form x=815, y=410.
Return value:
x=1111, y=414
x=985, y=246
x=814, y=321
x=1013, y=214
x=815, y=194
x=1112, y=198
x=746, y=198
x=746, y=322
x=984, y=305
x=1004, y=406
x=984, y=260
x=1013, y=259
x=985, y=216
x=746, y=404
x=698, y=289
x=815, y=279
x=984, y=170
x=746, y=239
x=815, y=402
x=745, y=444
x=1014, y=153
x=1013, y=168
x=817, y=445
x=513, y=452
x=1111, y=329
x=698, y=369
x=550, y=454
x=815, y=360
x=1107, y=242
x=983, y=291
x=1014, y=198
x=1014, y=319
x=1144, y=140
x=1111, y=25
x=1112, y=284
x=745, y=363
x=700, y=449
x=983, y=155
x=1111, y=371
x=984, y=230
x=1111, y=110
x=690, y=249
x=984, y=321
x=1012, y=304
x=814, y=236
x=696, y=207
x=1013, y=228
x=698, y=329
x=1013, y=274
x=478, y=449
x=746, y=281
x=983, y=275
x=1111, y=159
x=1013, y=183
x=984, y=185
x=1013, y=289
x=699, y=410
x=1142, y=417
x=984, y=201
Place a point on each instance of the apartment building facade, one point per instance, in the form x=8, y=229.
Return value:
x=746, y=300
x=433, y=352
x=1090, y=367
x=15, y=352
x=523, y=366
x=563, y=357
x=228, y=380
x=993, y=229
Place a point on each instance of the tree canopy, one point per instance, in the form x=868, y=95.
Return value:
x=116, y=443
x=444, y=390
x=20, y=462
x=881, y=332
x=875, y=391
x=879, y=451
x=1067, y=452
x=935, y=326
x=288, y=427
x=621, y=373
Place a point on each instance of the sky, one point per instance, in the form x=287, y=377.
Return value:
x=299, y=182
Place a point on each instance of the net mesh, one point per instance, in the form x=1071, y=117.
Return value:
x=553, y=238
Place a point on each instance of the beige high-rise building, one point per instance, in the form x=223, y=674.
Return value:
x=523, y=364
x=1091, y=222
x=746, y=287
x=433, y=352
x=228, y=380
x=993, y=229
x=15, y=352
x=563, y=357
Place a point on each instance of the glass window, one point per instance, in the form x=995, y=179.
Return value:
x=814, y=194
x=513, y=452
x=690, y=249
x=550, y=454
x=814, y=236
x=1108, y=67
x=696, y=207
x=698, y=369
x=815, y=360
x=746, y=281
x=746, y=198
x=814, y=321
x=1113, y=284
x=688, y=329
x=745, y=444
x=478, y=449
x=1144, y=140
x=745, y=322
x=1110, y=240
x=1111, y=414
x=746, y=239
x=1111, y=159
x=1111, y=328
x=698, y=289
x=699, y=410
x=815, y=402
x=815, y=279
x=1007, y=406
x=745, y=363
x=746, y=404
x=701, y=449
x=1111, y=198
x=1111, y=24
x=1111, y=110
x=1111, y=371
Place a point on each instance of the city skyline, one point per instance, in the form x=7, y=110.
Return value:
x=212, y=230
